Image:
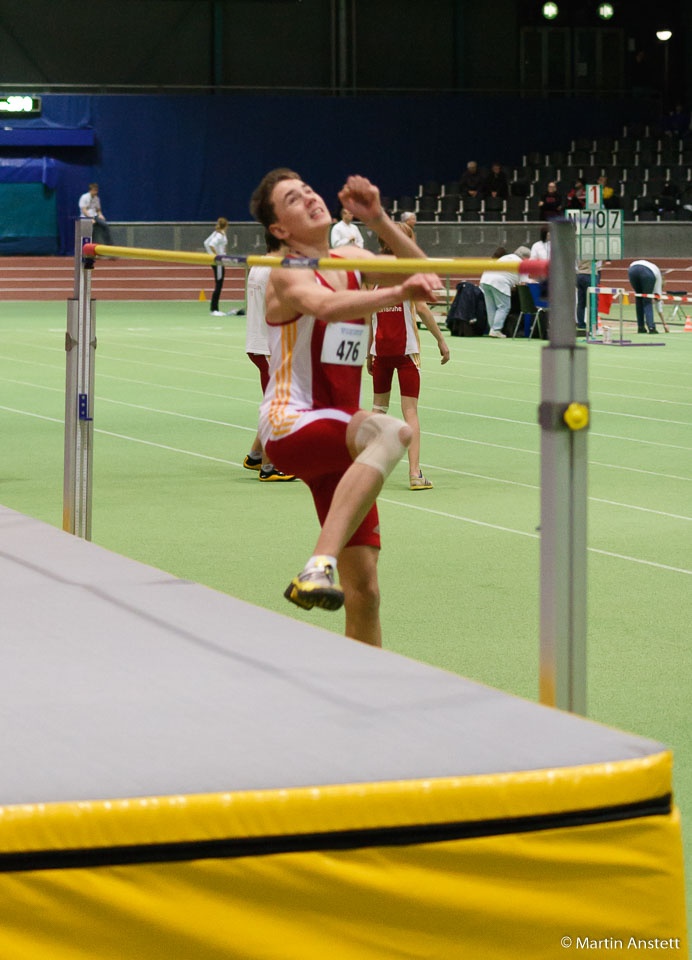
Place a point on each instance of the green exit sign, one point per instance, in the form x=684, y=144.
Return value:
x=19, y=105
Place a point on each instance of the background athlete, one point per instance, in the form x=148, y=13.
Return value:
x=257, y=349
x=394, y=345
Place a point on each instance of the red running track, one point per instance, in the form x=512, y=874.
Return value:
x=52, y=278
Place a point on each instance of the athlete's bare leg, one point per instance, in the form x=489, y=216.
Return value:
x=355, y=494
x=409, y=408
x=257, y=451
x=358, y=577
x=380, y=402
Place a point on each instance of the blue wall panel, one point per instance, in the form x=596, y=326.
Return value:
x=199, y=157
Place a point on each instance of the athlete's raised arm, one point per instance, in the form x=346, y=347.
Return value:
x=291, y=293
x=362, y=199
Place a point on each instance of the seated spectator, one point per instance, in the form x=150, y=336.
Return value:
x=677, y=122
x=409, y=217
x=669, y=197
x=550, y=206
x=607, y=191
x=541, y=248
x=576, y=198
x=471, y=181
x=495, y=184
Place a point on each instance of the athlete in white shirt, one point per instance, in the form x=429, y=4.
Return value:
x=345, y=232
x=257, y=349
x=540, y=250
x=215, y=244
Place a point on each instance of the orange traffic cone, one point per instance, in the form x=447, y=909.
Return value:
x=688, y=325
x=202, y=295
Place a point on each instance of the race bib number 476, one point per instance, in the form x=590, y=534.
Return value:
x=345, y=343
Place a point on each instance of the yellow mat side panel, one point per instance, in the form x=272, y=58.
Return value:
x=590, y=891
x=104, y=823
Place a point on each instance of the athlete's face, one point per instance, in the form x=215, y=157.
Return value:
x=300, y=212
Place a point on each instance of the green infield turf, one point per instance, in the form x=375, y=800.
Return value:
x=176, y=410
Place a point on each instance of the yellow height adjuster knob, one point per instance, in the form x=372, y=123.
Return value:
x=576, y=416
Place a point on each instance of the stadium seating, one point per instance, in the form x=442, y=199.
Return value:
x=638, y=161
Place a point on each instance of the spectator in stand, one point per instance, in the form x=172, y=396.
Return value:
x=541, y=248
x=497, y=289
x=677, y=122
x=409, y=217
x=495, y=184
x=345, y=232
x=576, y=198
x=669, y=197
x=607, y=193
x=551, y=204
x=471, y=182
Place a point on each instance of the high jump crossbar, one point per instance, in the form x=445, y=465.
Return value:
x=563, y=416
x=467, y=266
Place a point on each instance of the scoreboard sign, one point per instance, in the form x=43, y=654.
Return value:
x=599, y=233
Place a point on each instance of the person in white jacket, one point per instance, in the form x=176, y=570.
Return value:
x=497, y=289
x=345, y=232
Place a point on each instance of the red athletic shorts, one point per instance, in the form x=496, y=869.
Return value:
x=383, y=372
x=317, y=453
x=262, y=363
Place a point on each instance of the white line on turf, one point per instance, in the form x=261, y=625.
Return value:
x=148, y=443
x=399, y=503
x=425, y=433
x=523, y=533
x=535, y=486
x=532, y=423
x=236, y=426
x=481, y=395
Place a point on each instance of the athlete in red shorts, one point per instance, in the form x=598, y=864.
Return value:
x=394, y=345
x=310, y=420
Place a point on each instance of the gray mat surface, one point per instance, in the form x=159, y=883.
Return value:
x=119, y=680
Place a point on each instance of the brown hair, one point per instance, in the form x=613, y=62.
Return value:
x=272, y=243
x=261, y=206
x=222, y=223
x=404, y=227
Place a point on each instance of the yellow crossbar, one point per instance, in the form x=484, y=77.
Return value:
x=465, y=266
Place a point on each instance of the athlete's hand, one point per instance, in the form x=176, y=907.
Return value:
x=444, y=352
x=368, y=364
x=361, y=198
x=421, y=286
